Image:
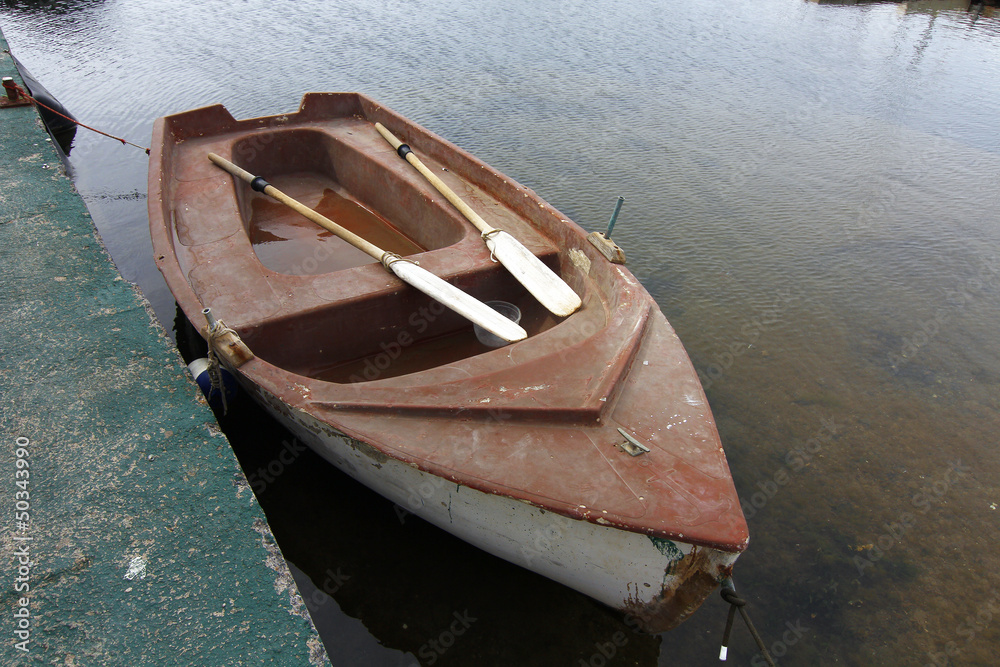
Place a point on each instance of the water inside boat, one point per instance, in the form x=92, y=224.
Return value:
x=286, y=242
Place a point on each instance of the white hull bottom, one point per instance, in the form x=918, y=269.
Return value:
x=659, y=582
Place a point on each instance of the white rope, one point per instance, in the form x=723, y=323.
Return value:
x=486, y=237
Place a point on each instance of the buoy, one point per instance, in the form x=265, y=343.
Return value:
x=199, y=369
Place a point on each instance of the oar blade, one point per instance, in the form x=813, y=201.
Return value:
x=469, y=307
x=550, y=290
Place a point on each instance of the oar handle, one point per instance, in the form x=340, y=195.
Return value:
x=239, y=172
x=388, y=136
x=260, y=185
x=449, y=194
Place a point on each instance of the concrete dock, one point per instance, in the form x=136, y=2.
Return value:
x=129, y=533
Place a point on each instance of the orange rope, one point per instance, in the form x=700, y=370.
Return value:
x=24, y=93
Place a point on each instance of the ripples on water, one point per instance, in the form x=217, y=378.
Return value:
x=811, y=195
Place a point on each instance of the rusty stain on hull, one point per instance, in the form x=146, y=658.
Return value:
x=692, y=579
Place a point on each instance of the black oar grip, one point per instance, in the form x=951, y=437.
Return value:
x=258, y=184
x=403, y=151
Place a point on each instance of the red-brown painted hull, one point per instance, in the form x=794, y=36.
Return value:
x=378, y=363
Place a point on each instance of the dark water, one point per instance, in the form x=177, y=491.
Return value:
x=812, y=196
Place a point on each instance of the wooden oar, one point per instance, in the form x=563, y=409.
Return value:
x=425, y=281
x=550, y=290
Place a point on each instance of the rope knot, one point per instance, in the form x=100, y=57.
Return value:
x=215, y=332
x=730, y=596
x=737, y=603
x=487, y=235
x=390, y=258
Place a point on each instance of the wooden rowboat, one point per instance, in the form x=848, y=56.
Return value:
x=586, y=452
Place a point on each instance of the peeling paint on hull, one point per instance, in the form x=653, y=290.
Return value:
x=658, y=582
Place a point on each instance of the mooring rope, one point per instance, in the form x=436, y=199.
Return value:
x=21, y=91
x=736, y=602
x=214, y=366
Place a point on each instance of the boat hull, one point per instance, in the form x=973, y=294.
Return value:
x=656, y=582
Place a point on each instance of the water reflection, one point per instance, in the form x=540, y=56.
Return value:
x=49, y=6
x=921, y=6
x=974, y=8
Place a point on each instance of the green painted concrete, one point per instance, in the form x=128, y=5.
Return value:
x=146, y=544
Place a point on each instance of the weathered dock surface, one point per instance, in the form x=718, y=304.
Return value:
x=129, y=534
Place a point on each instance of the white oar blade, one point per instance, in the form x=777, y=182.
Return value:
x=469, y=307
x=550, y=290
